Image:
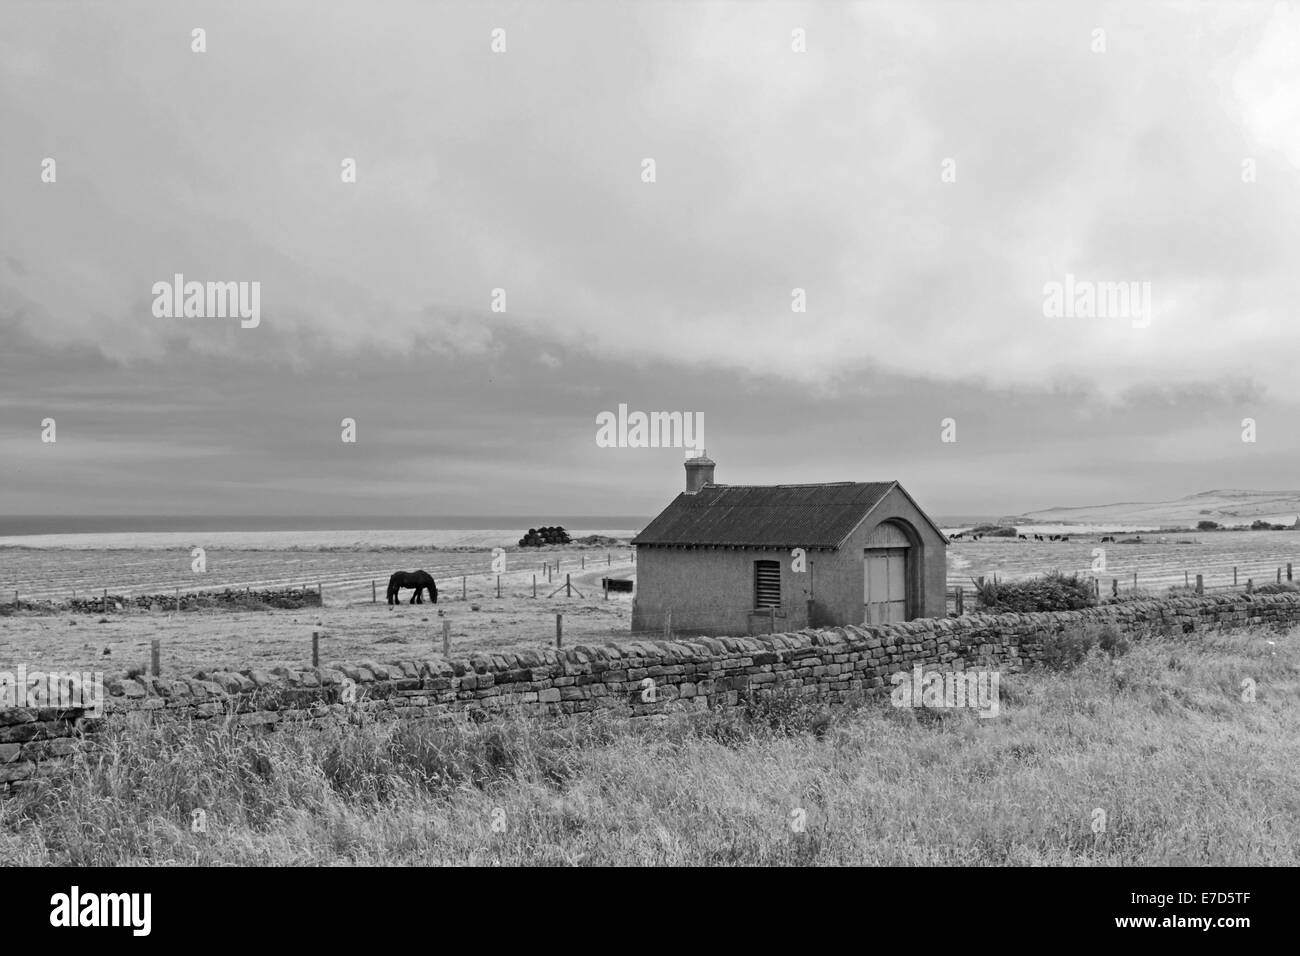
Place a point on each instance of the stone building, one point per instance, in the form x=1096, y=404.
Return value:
x=745, y=559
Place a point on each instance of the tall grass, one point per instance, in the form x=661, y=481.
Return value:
x=1161, y=739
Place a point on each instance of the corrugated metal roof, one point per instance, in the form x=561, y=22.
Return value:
x=765, y=516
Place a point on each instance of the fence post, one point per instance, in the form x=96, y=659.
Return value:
x=1186, y=583
x=374, y=592
x=1279, y=575
x=155, y=657
x=559, y=630
x=1288, y=570
x=584, y=562
x=1114, y=587
x=1234, y=577
x=609, y=560
x=1200, y=585
x=498, y=585
x=446, y=638
x=961, y=600
x=315, y=648
x=534, y=585
x=462, y=587
x=1135, y=580
x=568, y=586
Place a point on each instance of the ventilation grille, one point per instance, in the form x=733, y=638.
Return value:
x=767, y=584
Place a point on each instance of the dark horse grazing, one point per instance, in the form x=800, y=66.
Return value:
x=412, y=579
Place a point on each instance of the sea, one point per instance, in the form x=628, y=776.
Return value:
x=25, y=525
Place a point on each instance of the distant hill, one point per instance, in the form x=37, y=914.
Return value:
x=1227, y=507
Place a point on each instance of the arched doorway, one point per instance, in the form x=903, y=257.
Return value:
x=890, y=570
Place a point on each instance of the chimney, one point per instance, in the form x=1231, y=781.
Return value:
x=699, y=472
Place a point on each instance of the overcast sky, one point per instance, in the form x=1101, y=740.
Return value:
x=1170, y=157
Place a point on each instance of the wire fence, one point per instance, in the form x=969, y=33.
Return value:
x=539, y=601
x=963, y=599
x=461, y=577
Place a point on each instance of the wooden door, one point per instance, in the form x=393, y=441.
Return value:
x=885, y=585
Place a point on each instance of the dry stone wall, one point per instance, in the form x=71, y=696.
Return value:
x=632, y=678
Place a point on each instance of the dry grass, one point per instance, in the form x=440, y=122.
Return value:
x=196, y=640
x=1186, y=771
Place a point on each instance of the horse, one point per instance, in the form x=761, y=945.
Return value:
x=420, y=580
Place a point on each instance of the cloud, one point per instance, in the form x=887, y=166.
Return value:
x=1267, y=85
x=776, y=171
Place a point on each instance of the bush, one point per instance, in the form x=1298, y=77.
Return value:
x=1051, y=592
x=995, y=531
x=1286, y=587
x=1207, y=526
x=1067, y=650
x=1112, y=640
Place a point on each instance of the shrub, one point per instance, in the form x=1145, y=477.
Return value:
x=1207, y=526
x=995, y=531
x=1112, y=640
x=1286, y=587
x=1064, y=651
x=1051, y=592
x=1067, y=650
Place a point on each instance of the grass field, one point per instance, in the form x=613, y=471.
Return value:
x=351, y=626
x=1159, y=741
x=1161, y=560
x=345, y=576
x=354, y=628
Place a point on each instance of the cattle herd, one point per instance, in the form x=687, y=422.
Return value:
x=971, y=536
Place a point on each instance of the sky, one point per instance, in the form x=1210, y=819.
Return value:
x=922, y=171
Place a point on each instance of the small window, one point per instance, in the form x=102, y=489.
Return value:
x=767, y=584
